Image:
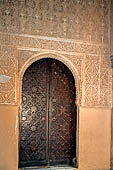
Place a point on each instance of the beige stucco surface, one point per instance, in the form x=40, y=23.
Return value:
x=94, y=138
x=8, y=137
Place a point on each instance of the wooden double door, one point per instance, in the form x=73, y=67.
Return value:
x=47, y=115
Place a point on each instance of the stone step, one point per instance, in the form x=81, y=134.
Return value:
x=48, y=168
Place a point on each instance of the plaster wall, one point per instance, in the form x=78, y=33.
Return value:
x=9, y=137
x=94, y=138
x=79, y=37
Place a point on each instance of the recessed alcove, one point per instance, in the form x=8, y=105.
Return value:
x=48, y=117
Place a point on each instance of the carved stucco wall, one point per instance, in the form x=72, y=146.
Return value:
x=8, y=66
x=80, y=20
x=79, y=27
x=93, y=69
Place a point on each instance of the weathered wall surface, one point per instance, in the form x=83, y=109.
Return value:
x=79, y=32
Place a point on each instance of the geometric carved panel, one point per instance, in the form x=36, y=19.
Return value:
x=105, y=82
x=97, y=85
x=8, y=66
x=91, y=81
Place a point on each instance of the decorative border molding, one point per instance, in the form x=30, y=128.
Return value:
x=34, y=42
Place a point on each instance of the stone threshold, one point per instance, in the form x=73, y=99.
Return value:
x=49, y=168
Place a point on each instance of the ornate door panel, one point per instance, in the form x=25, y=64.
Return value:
x=47, y=115
x=34, y=116
x=62, y=136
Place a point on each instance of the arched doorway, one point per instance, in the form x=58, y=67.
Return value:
x=47, y=115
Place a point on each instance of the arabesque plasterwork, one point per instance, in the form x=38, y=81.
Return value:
x=8, y=66
x=80, y=35
x=57, y=18
x=94, y=89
